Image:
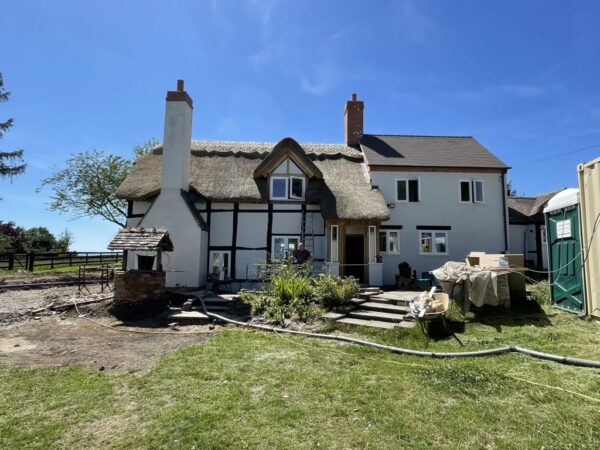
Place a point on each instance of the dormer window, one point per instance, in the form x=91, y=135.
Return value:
x=287, y=182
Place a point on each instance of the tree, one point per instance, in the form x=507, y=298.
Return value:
x=14, y=238
x=10, y=162
x=63, y=241
x=86, y=186
x=40, y=240
x=510, y=190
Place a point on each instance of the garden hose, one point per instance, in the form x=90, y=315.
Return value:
x=489, y=352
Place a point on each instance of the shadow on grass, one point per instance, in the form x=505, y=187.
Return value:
x=522, y=312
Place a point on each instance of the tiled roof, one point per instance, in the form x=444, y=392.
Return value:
x=428, y=151
x=141, y=239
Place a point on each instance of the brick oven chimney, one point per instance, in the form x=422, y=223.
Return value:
x=353, y=121
x=177, y=141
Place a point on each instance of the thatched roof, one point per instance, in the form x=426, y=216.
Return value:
x=525, y=210
x=142, y=239
x=224, y=171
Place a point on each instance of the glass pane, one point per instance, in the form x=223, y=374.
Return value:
x=297, y=187
x=465, y=191
x=278, y=248
x=292, y=245
x=393, y=242
x=279, y=186
x=413, y=190
x=440, y=242
x=216, y=266
x=401, y=188
x=334, y=232
x=382, y=241
x=426, y=239
x=478, y=191
x=225, y=263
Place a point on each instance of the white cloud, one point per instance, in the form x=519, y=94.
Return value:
x=322, y=80
x=411, y=22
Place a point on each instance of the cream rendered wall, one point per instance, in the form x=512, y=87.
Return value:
x=474, y=226
x=221, y=228
x=252, y=229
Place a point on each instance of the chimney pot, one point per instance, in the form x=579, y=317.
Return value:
x=180, y=85
x=354, y=97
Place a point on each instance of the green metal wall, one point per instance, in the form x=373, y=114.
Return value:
x=564, y=253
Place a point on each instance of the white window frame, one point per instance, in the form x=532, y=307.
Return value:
x=334, y=242
x=286, y=245
x=406, y=180
x=372, y=243
x=433, y=233
x=211, y=256
x=471, y=191
x=290, y=182
x=387, y=232
x=287, y=187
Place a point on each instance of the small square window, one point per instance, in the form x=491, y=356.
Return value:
x=279, y=188
x=433, y=243
x=297, y=187
x=389, y=242
x=407, y=190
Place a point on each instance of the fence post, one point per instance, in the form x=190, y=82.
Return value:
x=86, y=257
x=31, y=262
x=70, y=259
x=11, y=261
x=51, y=261
x=100, y=258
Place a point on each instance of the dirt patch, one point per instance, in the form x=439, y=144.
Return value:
x=35, y=277
x=18, y=305
x=62, y=338
x=67, y=339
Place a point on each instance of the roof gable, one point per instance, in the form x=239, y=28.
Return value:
x=287, y=148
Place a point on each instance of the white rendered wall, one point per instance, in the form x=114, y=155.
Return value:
x=474, y=226
x=184, y=265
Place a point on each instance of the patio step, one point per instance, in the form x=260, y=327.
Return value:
x=368, y=323
x=333, y=316
x=357, y=301
x=384, y=307
x=377, y=315
x=188, y=317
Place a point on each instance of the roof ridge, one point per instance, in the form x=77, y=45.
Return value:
x=418, y=135
x=268, y=142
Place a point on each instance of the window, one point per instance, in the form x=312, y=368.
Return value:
x=287, y=182
x=433, y=243
x=219, y=264
x=334, y=243
x=284, y=247
x=145, y=262
x=471, y=191
x=407, y=190
x=297, y=187
x=389, y=242
x=279, y=188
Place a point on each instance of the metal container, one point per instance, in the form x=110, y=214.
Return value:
x=589, y=197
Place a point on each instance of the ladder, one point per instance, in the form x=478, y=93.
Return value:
x=308, y=232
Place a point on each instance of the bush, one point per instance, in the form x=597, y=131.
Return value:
x=541, y=292
x=331, y=290
x=288, y=294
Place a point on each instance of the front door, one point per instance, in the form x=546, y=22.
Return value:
x=354, y=250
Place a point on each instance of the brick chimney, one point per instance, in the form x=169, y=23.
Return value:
x=177, y=141
x=353, y=121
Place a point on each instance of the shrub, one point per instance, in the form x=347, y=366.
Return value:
x=288, y=294
x=331, y=290
x=541, y=292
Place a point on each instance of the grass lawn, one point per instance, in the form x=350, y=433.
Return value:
x=248, y=389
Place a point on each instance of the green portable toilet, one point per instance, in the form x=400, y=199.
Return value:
x=565, y=268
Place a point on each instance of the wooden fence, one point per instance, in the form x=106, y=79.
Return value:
x=48, y=261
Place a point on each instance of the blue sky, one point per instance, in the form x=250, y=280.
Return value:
x=522, y=77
